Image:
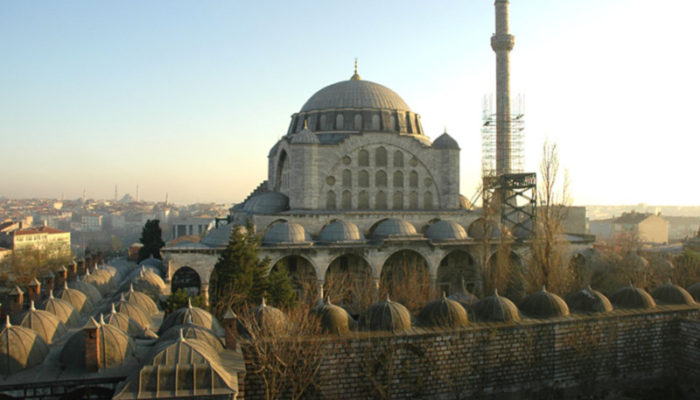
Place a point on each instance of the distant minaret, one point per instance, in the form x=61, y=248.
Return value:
x=84, y=195
x=502, y=43
x=137, y=194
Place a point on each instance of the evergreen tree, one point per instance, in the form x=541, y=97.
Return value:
x=151, y=238
x=280, y=292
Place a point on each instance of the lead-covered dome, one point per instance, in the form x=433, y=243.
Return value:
x=20, y=348
x=393, y=227
x=386, y=316
x=333, y=319
x=45, y=324
x=62, y=309
x=496, y=308
x=443, y=313
x=544, y=304
x=632, y=297
x=115, y=346
x=141, y=299
x=588, y=300
x=446, y=230
x=283, y=233
x=672, y=294
x=340, y=232
x=267, y=203
x=355, y=93
x=196, y=315
x=190, y=330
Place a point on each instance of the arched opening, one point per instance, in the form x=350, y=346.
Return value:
x=347, y=178
x=398, y=179
x=188, y=279
x=380, y=157
x=380, y=201
x=303, y=276
x=428, y=200
x=392, y=123
x=397, y=201
x=455, y=267
x=347, y=200
x=330, y=200
x=398, y=158
x=282, y=175
x=363, y=179
x=358, y=122
x=348, y=283
x=413, y=179
x=380, y=179
x=413, y=201
x=405, y=278
x=339, y=122
x=363, y=201
x=363, y=158
x=375, y=122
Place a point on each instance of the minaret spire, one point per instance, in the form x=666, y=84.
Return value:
x=502, y=43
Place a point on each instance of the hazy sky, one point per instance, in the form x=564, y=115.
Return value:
x=187, y=97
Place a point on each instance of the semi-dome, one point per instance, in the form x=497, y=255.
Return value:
x=44, y=323
x=445, y=141
x=20, y=348
x=61, y=309
x=134, y=311
x=196, y=315
x=443, y=313
x=496, y=308
x=632, y=297
x=393, y=227
x=284, y=232
x=76, y=298
x=446, y=230
x=267, y=203
x=115, y=346
x=192, y=331
x=88, y=289
x=672, y=294
x=694, y=291
x=482, y=227
x=544, y=304
x=140, y=299
x=386, y=315
x=588, y=300
x=123, y=321
x=357, y=94
x=268, y=320
x=333, y=319
x=340, y=232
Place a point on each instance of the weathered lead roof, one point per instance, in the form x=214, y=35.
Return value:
x=386, y=315
x=355, y=94
x=544, y=304
x=444, y=312
x=20, y=348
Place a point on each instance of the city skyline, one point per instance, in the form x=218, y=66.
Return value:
x=187, y=100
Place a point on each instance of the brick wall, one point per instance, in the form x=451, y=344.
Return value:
x=578, y=353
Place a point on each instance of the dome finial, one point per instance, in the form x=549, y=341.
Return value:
x=445, y=129
x=355, y=76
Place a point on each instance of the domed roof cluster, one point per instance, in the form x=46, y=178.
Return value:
x=190, y=330
x=77, y=299
x=145, y=280
x=134, y=311
x=20, y=348
x=124, y=322
x=62, y=309
x=87, y=288
x=44, y=323
x=268, y=320
x=140, y=299
x=196, y=315
x=115, y=347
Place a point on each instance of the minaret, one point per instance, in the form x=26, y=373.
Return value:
x=502, y=43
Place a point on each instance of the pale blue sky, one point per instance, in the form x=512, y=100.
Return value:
x=187, y=97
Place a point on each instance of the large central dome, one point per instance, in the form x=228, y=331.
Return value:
x=355, y=93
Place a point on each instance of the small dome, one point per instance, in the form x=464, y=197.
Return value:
x=134, y=311
x=20, y=348
x=267, y=203
x=544, y=304
x=153, y=263
x=334, y=319
x=443, y=313
x=481, y=228
x=393, y=227
x=62, y=309
x=446, y=230
x=77, y=299
x=88, y=290
x=464, y=297
x=219, y=237
x=632, y=297
x=184, y=351
x=141, y=300
x=672, y=294
x=197, y=315
x=340, y=232
x=694, y=291
x=588, y=301
x=44, y=323
x=268, y=320
x=464, y=203
x=114, y=343
x=192, y=331
x=147, y=282
x=124, y=322
x=282, y=233
x=305, y=136
x=445, y=141
x=496, y=308
x=386, y=315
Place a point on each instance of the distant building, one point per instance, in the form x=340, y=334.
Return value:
x=647, y=228
x=191, y=226
x=55, y=242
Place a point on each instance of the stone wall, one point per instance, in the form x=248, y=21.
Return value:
x=578, y=354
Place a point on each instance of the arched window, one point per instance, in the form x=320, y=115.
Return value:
x=330, y=200
x=363, y=179
x=358, y=122
x=413, y=201
x=347, y=200
x=428, y=200
x=398, y=179
x=398, y=201
x=413, y=179
x=398, y=158
x=380, y=157
x=339, y=122
x=363, y=201
x=363, y=158
x=380, y=179
x=380, y=201
x=392, y=124
x=375, y=122
x=322, y=124
x=347, y=178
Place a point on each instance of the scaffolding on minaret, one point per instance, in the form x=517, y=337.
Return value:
x=489, y=137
